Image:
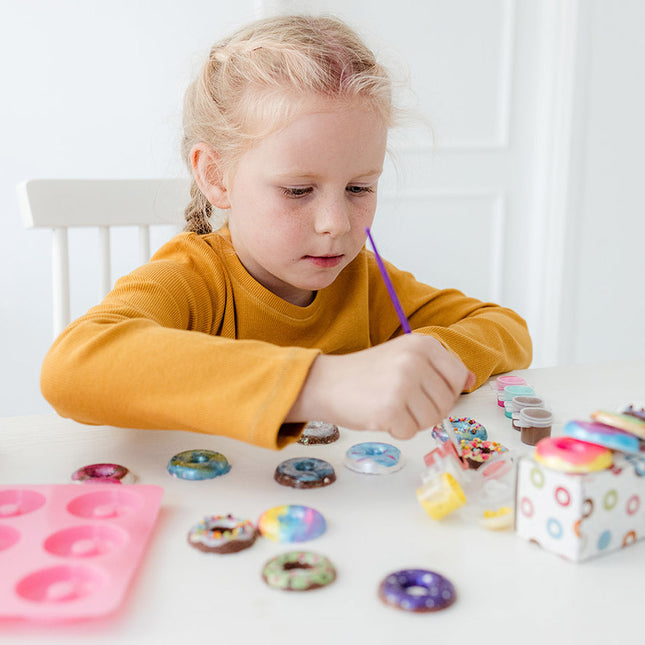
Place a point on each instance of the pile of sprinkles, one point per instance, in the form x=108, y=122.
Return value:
x=480, y=451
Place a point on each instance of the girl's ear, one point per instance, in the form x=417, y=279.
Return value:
x=208, y=175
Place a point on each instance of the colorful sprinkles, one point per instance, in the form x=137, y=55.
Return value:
x=298, y=571
x=477, y=452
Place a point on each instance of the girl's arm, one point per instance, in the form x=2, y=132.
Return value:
x=410, y=382
x=148, y=357
x=402, y=386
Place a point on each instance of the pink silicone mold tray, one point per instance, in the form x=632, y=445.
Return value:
x=69, y=551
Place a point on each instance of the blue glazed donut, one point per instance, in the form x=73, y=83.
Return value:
x=602, y=435
x=432, y=592
x=373, y=458
x=305, y=472
x=198, y=464
x=466, y=429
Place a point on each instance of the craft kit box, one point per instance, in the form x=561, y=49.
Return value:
x=581, y=516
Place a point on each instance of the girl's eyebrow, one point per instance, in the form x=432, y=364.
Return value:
x=312, y=175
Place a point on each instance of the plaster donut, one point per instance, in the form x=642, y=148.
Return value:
x=198, y=464
x=291, y=523
x=103, y=474
x=467, y=428
x=439, y=434
x=305, y=472
x=417, y=590
x=626, y=422
x=476, y=452
x=635, y=410
x=571, y=455
x=298, y=571
x=222, y=534
x=319, y=432
x=602, y=435
x=374, y=458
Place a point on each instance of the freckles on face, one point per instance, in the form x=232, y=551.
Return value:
x=301, y=198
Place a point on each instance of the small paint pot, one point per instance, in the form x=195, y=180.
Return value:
x=503, y=381
x=511, y=391
x=535, y=424
x=518, y=403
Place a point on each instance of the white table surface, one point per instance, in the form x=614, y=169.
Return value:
x=508, y=590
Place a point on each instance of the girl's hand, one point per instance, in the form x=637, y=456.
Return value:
x=402, y=386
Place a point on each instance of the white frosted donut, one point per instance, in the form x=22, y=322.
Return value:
x=222, y=534
x=374, y=458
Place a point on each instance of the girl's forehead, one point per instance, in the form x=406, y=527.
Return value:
x=350, y=142
x=268, y=113
x=333, y=130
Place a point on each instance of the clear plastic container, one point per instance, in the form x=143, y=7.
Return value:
x=518, y=403
x=511, y=391
x=505, y=380
x=535, y=424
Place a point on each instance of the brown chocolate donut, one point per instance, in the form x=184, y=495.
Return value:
x=319, y=432
x=222, y=534
x=305, y=472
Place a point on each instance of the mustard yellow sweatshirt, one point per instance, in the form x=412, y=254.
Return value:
x=191, y=341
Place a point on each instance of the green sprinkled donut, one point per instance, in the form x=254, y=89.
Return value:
x=298, y=571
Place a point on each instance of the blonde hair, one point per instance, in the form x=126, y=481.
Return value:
x=259, y=77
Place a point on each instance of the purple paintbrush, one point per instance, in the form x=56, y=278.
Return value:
x=390, y=287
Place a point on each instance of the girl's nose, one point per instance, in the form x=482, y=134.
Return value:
x=333, y=218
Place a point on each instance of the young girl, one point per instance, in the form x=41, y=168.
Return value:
x=280, y=316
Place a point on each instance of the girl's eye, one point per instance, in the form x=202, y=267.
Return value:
x=357, y=190
x=297, y=192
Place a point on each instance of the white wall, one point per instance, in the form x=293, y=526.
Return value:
x=93, y=89
x=89, y=89
x=605, y=275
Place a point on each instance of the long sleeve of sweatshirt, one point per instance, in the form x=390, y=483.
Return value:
x=191, y=341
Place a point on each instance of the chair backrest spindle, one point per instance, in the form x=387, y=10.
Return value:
x=60, y=279
x=105, y=260
x=61, y=204
x=144, y=244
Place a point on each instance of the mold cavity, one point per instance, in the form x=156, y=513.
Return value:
x=104, y=504
x=85, y=541
x=60, y=584
x=20, y=502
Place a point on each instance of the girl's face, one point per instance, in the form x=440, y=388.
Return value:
x=301, y=198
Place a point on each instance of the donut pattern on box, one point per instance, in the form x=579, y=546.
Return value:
x=580, y=516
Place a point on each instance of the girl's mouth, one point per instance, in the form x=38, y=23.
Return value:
x=325, y=261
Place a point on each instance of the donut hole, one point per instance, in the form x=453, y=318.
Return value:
x=287, y=566
x=375, y=450
x=306, y=466
x=198, y=458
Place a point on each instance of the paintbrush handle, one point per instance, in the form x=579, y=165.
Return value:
x=390, y=287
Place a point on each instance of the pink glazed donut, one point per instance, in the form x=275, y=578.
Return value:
x=103, y=474
x=571, y=455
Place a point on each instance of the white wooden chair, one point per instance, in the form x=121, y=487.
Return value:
x=61, y=204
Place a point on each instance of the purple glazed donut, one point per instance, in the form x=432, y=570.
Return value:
x=103, y=474
x=417, y=590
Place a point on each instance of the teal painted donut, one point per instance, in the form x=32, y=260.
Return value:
x=198, y=464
